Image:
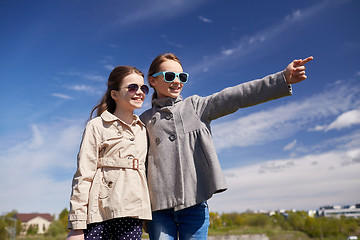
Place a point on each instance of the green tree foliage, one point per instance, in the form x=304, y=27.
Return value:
x=314, y=227
x=215, y=221
x=59, y=226
x=3, y=232
x=280, y=220
x=32, y=230
x=256, y=220
x=63, y=219
x=7, y=223
x=297, y=220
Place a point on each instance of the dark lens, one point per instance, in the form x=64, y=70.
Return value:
x=183, y=77
x=133, y=87
x=169, y=76
x=145, y=89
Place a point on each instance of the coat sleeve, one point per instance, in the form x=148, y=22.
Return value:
x=83, y=178
x=243, y=95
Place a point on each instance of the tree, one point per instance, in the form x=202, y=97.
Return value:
x=59, y=226
x=32, y=230
x=63, y=218
x=215, y=220
x=297, y=220
x=256, y=220
x=280, y=220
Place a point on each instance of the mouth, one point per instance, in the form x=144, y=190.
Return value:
x=138, y=99
x=175, y=88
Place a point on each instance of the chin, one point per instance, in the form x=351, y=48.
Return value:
x=174, y=95
x=137, y=105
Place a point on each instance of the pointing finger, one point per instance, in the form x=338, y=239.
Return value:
x=306, y=61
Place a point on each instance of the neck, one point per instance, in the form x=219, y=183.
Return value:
x=126, y=116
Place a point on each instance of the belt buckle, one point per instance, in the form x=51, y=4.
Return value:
x=136, y=164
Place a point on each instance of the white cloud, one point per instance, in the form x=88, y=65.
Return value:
x=318, y=128
x=37, y=140
x=85, y=88
x=38, y=170
x=62, y=96
x=290, y=145
x=94, y=77
x=228, y=52
x=109, y=67
x=155, y=11
x=303, y=183
x=82, y=75
x=295, y=15
x=205, y=20
x=345, y=120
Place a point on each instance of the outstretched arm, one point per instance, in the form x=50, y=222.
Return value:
x=295, y=71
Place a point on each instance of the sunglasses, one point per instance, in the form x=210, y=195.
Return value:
x=170, y=76
x=133, y=88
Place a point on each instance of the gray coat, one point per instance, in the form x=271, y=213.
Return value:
x=183, y=167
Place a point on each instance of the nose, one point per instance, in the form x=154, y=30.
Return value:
x=139, y=91
x=177, y=80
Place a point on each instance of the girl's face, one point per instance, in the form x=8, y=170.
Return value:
x=167, y=89
x=126, y=99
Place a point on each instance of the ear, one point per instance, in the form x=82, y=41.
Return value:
x=113, y=95
x=152, y=81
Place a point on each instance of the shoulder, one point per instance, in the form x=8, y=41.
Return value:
x=146, y=115
x=94, y=124
x=197, y=101
x=94, y=121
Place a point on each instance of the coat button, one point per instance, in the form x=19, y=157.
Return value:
x=158, y=141
x=153, y=120
x=169, y=116
x=172, y=137
x=110, y=184
x=132, y=139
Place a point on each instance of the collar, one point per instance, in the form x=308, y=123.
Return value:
x=109, y=117
x=165, y=102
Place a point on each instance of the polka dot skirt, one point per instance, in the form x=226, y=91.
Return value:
x=115, y=229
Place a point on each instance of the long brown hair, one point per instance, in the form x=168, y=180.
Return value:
x=115, y=79
x=155, y=65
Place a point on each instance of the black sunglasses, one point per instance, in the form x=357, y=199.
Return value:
x=133, y=88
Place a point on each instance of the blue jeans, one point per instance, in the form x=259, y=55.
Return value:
x=185, y=224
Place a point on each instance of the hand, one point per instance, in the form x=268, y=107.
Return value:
x=75, y=235
x=295, y=71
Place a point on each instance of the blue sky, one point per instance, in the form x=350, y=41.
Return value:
x=298, y=152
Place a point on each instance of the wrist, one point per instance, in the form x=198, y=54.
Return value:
x=287, y=76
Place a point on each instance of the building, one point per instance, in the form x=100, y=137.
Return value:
x=41, y=221
x=352, y=211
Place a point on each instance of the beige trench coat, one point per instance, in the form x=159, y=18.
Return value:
x=110, y=180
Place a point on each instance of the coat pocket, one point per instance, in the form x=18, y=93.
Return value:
x=108, y=181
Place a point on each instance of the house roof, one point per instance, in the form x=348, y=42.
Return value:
x=25, y=217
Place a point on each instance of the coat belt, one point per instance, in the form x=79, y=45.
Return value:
x=128, y=162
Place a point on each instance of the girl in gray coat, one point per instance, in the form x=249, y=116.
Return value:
x=183, y=169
